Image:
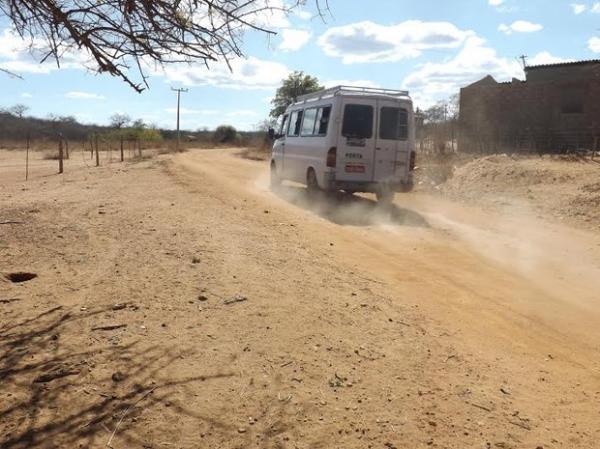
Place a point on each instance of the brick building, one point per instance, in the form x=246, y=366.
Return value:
x=556, y=109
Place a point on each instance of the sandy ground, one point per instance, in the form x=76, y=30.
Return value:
x=179, y=303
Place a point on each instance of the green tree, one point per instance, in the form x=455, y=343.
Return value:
x=296, y=84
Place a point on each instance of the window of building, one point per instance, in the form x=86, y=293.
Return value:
x=358, y=121
x=295, y=123
x=393, y=124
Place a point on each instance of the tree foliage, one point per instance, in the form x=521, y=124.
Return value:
x=17, y=110
x=122, y=37
x=296, y=84
x=119, y=120
x=225, y=134
x=443, y=111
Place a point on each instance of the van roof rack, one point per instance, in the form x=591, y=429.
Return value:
x=351, y=90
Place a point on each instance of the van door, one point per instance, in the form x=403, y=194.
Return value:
x=292, y=163
x=391, y=150
x=356, y=142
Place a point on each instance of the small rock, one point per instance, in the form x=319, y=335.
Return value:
x=118, y=376
x=202, y=298
x=195, y=260
x=242, y=430
x=119, y=306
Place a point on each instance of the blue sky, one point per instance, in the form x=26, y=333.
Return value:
x=430, y=47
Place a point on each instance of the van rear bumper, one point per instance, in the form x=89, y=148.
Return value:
x=332, y=184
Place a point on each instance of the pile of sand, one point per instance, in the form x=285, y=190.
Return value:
x=559, y=188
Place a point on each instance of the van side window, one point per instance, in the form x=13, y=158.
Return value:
x=393, y=124
x=284, y=125
x=308, y=125
x=295, y=123
x=322, y=121
x=358, y=121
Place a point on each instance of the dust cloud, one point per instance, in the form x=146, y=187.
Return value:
x=341, y=208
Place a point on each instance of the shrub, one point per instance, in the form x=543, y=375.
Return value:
x=225, y=134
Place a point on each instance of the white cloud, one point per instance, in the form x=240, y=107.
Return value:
x=367, y=42
x=595, y=8
x=26, y=95
x=495, y=3
x=302, y=14
x=78, y=95
x=436, y=81
x=22, y=56
x=250, y=73
x=546, y=57
x=293, y=40
x=520, y=26
x=19, y=66
x=594, y=44
x=578, y=8
x=354, y=83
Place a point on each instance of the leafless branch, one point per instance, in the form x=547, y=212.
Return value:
x=125, y=37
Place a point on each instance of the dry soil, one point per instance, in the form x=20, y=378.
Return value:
x=179, y=303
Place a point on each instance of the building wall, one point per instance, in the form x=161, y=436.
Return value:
x=553, y=111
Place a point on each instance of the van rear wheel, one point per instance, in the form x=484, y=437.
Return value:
x=385, y=196
x=312, y=184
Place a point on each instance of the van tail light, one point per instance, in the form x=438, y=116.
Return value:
x=413, y=160
x=332, y=157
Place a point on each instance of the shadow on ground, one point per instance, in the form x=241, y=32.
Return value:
x=53, y=396
x=353, y=210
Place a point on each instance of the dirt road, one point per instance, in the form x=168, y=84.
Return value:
x=252, y=319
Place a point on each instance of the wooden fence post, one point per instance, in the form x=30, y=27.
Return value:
x=60, y=156
x=67, y=149
x=121, y=148
x=27, y=160
x=97, y=155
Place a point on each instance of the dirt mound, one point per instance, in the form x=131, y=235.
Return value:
x=501, y=172
x=555, y=187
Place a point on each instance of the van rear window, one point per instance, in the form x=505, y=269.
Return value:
x=393, y=124
x=358, y=121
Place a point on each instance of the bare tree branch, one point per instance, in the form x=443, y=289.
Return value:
x=11, y=74
x=123, y=37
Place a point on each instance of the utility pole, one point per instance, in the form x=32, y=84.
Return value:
x=178, y=103
x=523, y=59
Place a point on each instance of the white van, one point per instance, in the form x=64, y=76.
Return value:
x=355, y=139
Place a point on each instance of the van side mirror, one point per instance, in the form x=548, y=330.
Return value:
x=271, y=133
